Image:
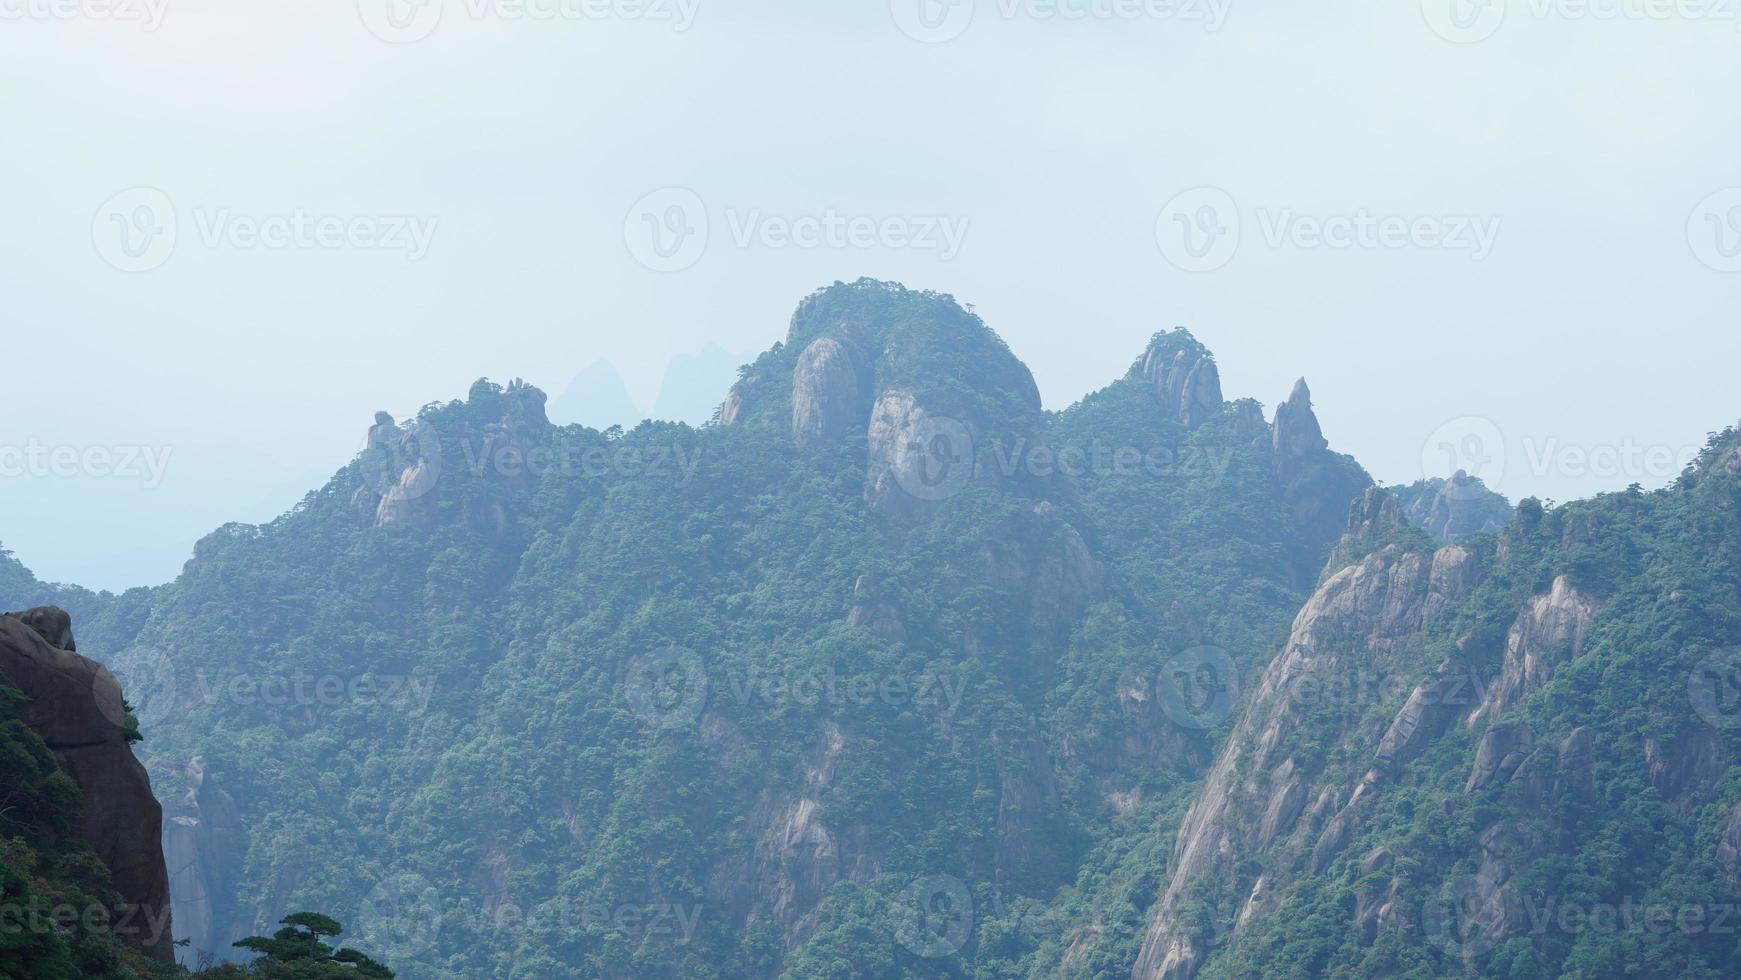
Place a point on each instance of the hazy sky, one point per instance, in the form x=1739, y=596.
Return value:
x=1527, y=251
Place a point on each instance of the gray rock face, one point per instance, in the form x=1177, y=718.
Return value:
x=52, y=623
x=204, y=844
x=1184, y=376
x=880, y=617
x=399, y=504
x=1457, y=508
x=1501, y=751
x=1297, y=434
x=1375, y=516
x=1317, y=485
x=732, y=408
x=383, y=432
x=1375, y=906
x=1687, y=765
x=76, y=708
x=828, y=400
x=794, y=856
x=917, y=460
x=404, y=469
x=1550, y=628
x=1253, y=809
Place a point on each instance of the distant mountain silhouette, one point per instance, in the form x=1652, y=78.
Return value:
x=597, y=398
x=695, y=384
x=691, y=390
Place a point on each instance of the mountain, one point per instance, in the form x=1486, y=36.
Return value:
x=865, y=672
x=596, y=397
x=1503, y=757
x=689, y=392
x=888, y=671
x=690, y=389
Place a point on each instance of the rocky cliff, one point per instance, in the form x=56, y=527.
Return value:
x=1267, y=804
x=75, y=705
x=1462, y=753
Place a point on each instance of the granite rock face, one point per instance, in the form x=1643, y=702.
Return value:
x=76, y=708
x=204, y=845
x=1317, y=484
x=408, y=471
x=1455, y=508
x=1184, y=376
x=1264, y=815
x=1297, y=434
x=827, y=394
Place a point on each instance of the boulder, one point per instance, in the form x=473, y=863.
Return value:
x=51, y=623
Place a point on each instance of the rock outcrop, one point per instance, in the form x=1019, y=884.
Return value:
x=1297, y=434
x=1259, y=801
x=1264, y=807
x=1265, y=816
x=409, y=471
x=1185, y=378
x=204, y=844
x=1550, y=630
x=1453, y=509
x=75, y=706
x=917, y=461
x=871, y=611
x=923, y=380
x=1317, y=485
x=828, y=398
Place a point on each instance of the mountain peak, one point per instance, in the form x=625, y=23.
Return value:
x=1184, y=376
x=850, y=343
x=1297, y=432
